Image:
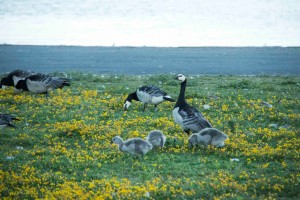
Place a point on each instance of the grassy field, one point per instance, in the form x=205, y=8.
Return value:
x=62, y=147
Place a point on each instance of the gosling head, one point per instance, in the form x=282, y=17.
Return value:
x=117, y=140
x=180, y=77
x=193, y=140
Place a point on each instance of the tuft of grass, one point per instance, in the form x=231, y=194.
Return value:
x=62, y=147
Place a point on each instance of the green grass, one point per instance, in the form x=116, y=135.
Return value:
x=67, y=151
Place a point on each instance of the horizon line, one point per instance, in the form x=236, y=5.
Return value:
x=149, y=46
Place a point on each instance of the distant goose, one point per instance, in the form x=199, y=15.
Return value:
x=13, y=77
x=148, y=94
x=6, y=120
x=134, y=146
x=42, y=83
x=188, y=117
x=208, y=136
x=156, y=138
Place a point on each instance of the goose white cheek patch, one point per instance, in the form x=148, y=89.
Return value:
x=127, y=104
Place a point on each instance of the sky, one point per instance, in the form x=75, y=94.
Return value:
x=166, y=23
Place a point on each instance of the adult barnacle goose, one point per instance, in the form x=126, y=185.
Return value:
x=6, y=120
x=188, y=117
x=148, y=95
x=42, y=83
x=13, y=77
x=134, y=146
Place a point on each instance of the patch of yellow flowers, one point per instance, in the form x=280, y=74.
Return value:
x=62, y=117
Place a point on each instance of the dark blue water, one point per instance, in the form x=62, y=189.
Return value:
x=152, y=60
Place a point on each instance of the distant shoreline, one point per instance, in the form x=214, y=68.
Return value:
x=152, y=60
x=116, y=46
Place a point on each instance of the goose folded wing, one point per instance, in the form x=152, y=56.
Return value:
x=62, y=81
x=6, y=120
x=7, y=117
x=153, y=91
x=205, y=123
x=193, y=119
x=39, y=78
x=20, y=73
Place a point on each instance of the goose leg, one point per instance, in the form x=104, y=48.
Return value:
x=144, y=106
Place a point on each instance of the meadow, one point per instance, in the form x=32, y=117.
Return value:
x=61, y=148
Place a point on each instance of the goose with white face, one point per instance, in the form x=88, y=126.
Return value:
x=126, y=105
x=148, y=95
x=185, y=115
x=180, y=77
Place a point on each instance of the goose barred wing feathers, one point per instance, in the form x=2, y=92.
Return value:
x=8, y=117
x=6, y=120
x=42, y=83
x=193, y=120
x=55, y=82
x=153, y=90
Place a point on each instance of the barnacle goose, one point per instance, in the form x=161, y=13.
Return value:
x=188, y=117
x=208, y=136
x=134, y=146
x=148, y=94
x=42, y=83
x=156, y=138
x=13, y=77
x=6, y=120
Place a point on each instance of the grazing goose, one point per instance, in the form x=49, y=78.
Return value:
x=42, y=83
x=208, y=136
x=134, y=146
x=188, y=117
x=6, y=120
x=13, y=77
x=156, y=138
x=148, y=94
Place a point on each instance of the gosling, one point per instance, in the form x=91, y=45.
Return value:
x=156, y=138
x=208, y=136
x=133, y=146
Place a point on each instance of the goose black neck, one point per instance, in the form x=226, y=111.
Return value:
x=132, y=96
x=181, y=98
x=22, y=85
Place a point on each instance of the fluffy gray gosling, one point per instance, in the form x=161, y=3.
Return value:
x=156, y=138
x=134, y=146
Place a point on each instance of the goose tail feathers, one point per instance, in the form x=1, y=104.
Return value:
x=168, y=98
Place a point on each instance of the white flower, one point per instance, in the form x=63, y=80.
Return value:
x=10, y=158
x=206, y=106
x=273, y=125
x=19, y=148
x=147, y=194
